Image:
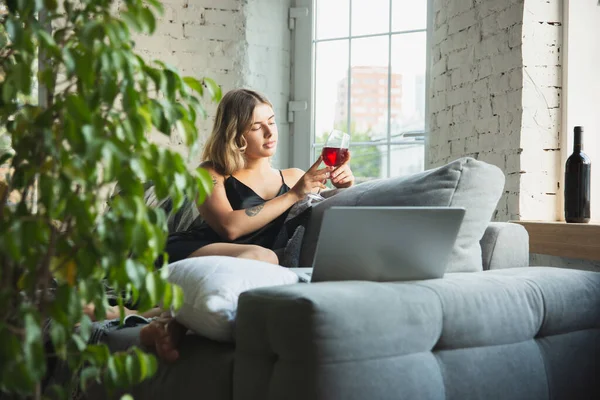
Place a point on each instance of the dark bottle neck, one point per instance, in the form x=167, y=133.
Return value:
x=578, y=142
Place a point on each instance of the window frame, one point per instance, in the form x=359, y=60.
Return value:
x=304, y=64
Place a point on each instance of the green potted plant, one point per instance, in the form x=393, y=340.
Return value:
x=85, y=129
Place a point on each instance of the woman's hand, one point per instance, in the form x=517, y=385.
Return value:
x=342, y=176
x=313, y=178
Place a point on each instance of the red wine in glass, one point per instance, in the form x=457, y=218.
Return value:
x=334, y=156
x=335, y=151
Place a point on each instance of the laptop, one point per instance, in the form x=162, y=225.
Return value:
x=383, y=243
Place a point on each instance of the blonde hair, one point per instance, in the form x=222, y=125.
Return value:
x=226, y=144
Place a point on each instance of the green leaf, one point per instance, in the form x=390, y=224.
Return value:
x=213, y=89
x=109, y=91
x=69, y=60
x=132, y=368
x=147, y=18
x=131, y=20
x=157, y=5
x=92, y=30
x=177, y=298
x=159, y=120
x=152, y=288
x=127, y=397
x=112, y=372
x=119, y=60
x=4, y=157
x=78, y=108
x=150, y=364
x=114, y=33
x=145, y=117
x=58, y=335
x=194, y=84
x=130, y=98
x=91, y=373
x=169, y=84
x=135, y=272
x=85, y=70
x=50, y=4
x=155, y=74
x=205, y=185
x=98, y=353
x=48, y=42
x=85, y=327
x=33, y=333
x=187, y=131
x=33, y=348
x=139, y=169
x=15, y=31
x=79, y=342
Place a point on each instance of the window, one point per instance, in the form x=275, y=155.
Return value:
x=581, y=87
x=353, y=53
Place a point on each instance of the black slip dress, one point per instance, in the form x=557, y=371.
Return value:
x=181, y=244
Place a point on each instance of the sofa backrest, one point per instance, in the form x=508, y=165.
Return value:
x=466, y=182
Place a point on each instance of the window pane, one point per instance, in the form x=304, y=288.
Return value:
x=409, y=15
x=332, y=19
x=331, y=86
x=406, y=159
x=368, y=162
x=369, y=88
x=370, y=16
x=408, y=84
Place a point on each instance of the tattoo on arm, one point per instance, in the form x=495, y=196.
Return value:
x=214, y=180
x=252, y=211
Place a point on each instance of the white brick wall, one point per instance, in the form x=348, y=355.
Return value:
x=269, y=62
x=476, y=88
x=496, y=95
x=235, y=42
x=540, y=128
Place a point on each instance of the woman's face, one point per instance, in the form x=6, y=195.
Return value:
x=262, y=135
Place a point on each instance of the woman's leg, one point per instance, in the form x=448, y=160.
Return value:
x=248, y=251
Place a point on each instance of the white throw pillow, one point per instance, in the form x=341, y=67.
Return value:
x=211, y=287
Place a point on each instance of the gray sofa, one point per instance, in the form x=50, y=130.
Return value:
x=503, y=333
x=491, y=328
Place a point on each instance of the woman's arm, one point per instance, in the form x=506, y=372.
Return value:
x=232, y=224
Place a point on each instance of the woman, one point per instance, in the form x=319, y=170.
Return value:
x=250, y=198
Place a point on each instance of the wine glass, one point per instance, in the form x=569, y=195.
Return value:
x=335, y=151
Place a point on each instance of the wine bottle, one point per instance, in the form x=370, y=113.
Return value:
x=577, y=182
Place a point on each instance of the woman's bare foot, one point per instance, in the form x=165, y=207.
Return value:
x=163, y=334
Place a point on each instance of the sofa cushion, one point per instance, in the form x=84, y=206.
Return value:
x=520, y=333
x=211, y=287
x=466, y=182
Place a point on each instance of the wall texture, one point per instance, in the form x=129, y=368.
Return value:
x=477, y=85
x=237, y=43
x=495, y=95
x=268, y=65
